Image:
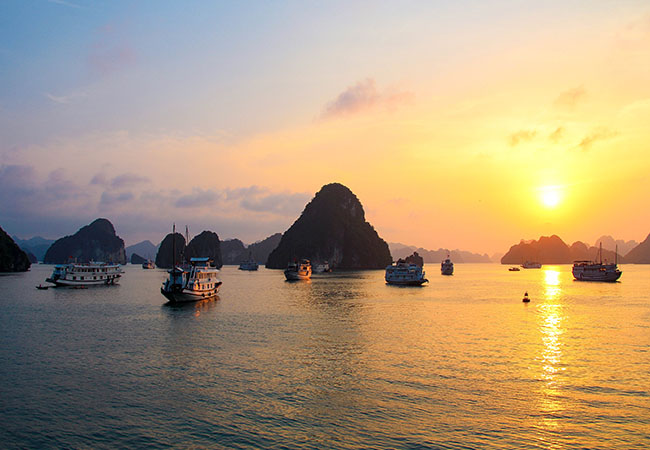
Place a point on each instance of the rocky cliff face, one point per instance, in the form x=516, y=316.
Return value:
x=332, y=228
x=553, y=250
x=12, y=258
x=165, y=259
x=233, y=251
x=204, y=245
x=94, y=242
x=639, y=254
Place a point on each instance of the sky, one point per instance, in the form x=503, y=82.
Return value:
x=465, y=124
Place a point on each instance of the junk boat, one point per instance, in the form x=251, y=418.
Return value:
x=295, y=271
x=597, y=271
x=86, y=274
x=447, y=267
x=199, y=281
x=531, y=265
x=403, y=274
x=251, y=264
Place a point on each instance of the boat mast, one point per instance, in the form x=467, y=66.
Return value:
x=174, y=246
x=616, y=255
x=601, y=253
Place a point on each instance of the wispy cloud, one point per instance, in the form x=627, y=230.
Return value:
x=65, y=99
x=364, y=96
x=570, y=98
x=64, y=3
x=556, y=135
x=521, y=136
x=598, y=135
x=110, y=52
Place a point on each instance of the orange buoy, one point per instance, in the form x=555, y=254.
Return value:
x=525, y=299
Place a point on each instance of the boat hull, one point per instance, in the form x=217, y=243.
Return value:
x=607, y=276
x=187, y=295
x=447, y=271
x=407, y=282
x=296, y=276
x=72, y=283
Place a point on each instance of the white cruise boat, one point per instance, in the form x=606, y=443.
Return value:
x=86, y=274
x=447, y=267
x=198, y=282
x=249, y=265
x=295, y=271
x=596, y=271
x=404, y=274
x=321, y=267
x=531, y=265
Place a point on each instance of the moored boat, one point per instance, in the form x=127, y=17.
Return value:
x=447, y=267
x=321, y=267
x=298, y=271
x=531, y=265
x=249, y=265
x=403, y=274
x=148, y=264
x=197, y=282
x=596, y=270
x=86, y=274
x=514, y=269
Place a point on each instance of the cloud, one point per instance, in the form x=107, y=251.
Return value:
x=111, y=198
x=64, y=3
x=570, y=98
x=600, y=134
x=66, y=99
x=282, y=203
x=521, y=136
x=128, y=179
x=110, y=52
x=199, y=198
x=556, y=135
x=364, y=96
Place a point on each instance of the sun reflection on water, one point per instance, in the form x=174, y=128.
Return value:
x=551, y=327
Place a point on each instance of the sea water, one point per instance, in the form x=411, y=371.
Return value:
x=341, y=361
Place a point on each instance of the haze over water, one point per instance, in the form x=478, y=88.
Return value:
x=343, y=361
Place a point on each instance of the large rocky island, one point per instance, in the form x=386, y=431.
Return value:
x=206, y=244
x=233, y=251
x=639, y=254
x=12, y=258
x=94, y=242
x=553, y=250
x=332, y=228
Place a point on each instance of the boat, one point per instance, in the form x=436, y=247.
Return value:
x=199, y=281
x=514, y=269
x=148, y=264
x=321, y=267
x=86, y=274
x=403, y=274
x=41, y=287
x=596, y=271
x=295, y=271
x=251, y=264
x=447, y=267
x=531, y=265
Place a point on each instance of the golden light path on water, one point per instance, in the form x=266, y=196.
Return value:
x=551, y=326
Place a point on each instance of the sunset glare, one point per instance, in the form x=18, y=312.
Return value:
x=550, y=196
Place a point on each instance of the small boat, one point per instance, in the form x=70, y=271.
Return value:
x=40, y=286
x=403, y=274
x=526, y=299
x=596, y=271
x=251, y=264
x=295, y=271
x=321, y=267
x=514, y=269
x=198, y=282
x=148, y=264
x=531, y=265
x=86, y=274
x=447, y=267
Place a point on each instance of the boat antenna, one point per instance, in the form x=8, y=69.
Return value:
x=174, y=246
x=616, y=255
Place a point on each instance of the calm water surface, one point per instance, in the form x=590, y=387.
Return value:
x=343, y=361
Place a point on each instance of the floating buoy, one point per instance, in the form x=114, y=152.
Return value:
x=525, y=299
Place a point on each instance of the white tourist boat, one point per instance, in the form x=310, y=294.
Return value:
x=596, y=271
x=298, y=271
x=86, y=274
x=404, y=274
x=199, y=281
x=249, y=265
x=531, y=265
x=321, y=267
x=447, y=267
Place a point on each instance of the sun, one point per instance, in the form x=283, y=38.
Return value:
x=550, y=196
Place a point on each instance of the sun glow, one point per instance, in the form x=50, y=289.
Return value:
x=550, y=196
